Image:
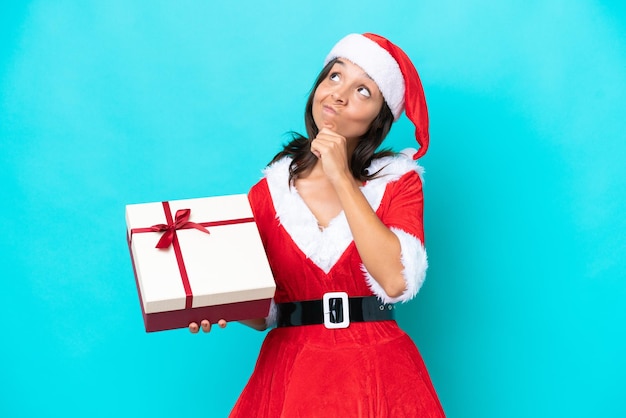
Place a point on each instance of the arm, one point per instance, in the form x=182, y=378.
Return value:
x=258, y=324
x=378, y=247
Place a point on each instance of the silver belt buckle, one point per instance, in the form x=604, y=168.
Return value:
x=336, y=310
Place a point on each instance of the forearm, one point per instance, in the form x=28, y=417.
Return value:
x=378, y=247
x=256, y=323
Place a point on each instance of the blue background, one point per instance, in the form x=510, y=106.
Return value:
x=105, y=103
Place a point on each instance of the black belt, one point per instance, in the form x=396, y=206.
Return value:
x=335, y=310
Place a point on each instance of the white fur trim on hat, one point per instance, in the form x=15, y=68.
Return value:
x=378, y=63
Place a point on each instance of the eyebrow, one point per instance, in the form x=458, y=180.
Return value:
x=339, y=61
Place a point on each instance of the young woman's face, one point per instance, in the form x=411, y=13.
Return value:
x=346, y=101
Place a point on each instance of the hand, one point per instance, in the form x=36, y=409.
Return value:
x=205, y=325
x=331, y=149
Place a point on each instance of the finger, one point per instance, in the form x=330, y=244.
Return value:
x=222, y=323
x=206, y=325
x=330, y=142
x=329, y=133
x=316, y=152
x=323, y=146
x=322, y=142
x=315, y=148
x=326, y=130
x=193, y=327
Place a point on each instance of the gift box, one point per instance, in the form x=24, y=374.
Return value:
x=198, y=259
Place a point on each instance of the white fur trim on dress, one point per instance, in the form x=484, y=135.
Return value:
x=415, y=262
x=325, y=246
x=272, y=318
x=378, y=63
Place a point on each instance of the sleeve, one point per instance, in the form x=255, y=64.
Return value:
x=260, y=202
x=402, y=212
x=405, y=207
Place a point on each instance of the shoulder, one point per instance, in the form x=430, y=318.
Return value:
x=278, y=171
x=276, y=176
x=392, y=175
x=394, y=171
x=394, y=167
x=272, y=188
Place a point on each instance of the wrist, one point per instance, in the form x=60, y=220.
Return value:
x=346, y=187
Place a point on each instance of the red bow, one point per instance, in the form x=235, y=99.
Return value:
x=181, y=221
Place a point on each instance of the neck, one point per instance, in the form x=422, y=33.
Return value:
x=351, y=146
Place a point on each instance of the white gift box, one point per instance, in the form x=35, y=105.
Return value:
x=214, y=267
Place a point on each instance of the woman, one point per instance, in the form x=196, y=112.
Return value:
x=342, y=228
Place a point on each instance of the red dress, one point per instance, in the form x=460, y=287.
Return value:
x=370, y=369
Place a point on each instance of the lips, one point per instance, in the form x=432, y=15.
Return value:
x=329, y=110
x=325, y=115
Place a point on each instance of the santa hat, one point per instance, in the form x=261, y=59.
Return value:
x=395, y=75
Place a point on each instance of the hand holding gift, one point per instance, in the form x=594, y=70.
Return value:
x=259, y=324
x=205, y=325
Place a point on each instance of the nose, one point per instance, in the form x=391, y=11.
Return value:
x=339, y=95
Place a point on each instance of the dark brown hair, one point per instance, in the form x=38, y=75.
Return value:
x=299, y=148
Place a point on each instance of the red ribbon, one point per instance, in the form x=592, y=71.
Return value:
x=181, y=221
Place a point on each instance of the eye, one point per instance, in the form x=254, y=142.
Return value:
x=364, y=91
x=334, y=77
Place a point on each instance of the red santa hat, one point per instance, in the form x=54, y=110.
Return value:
x=395, y=75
